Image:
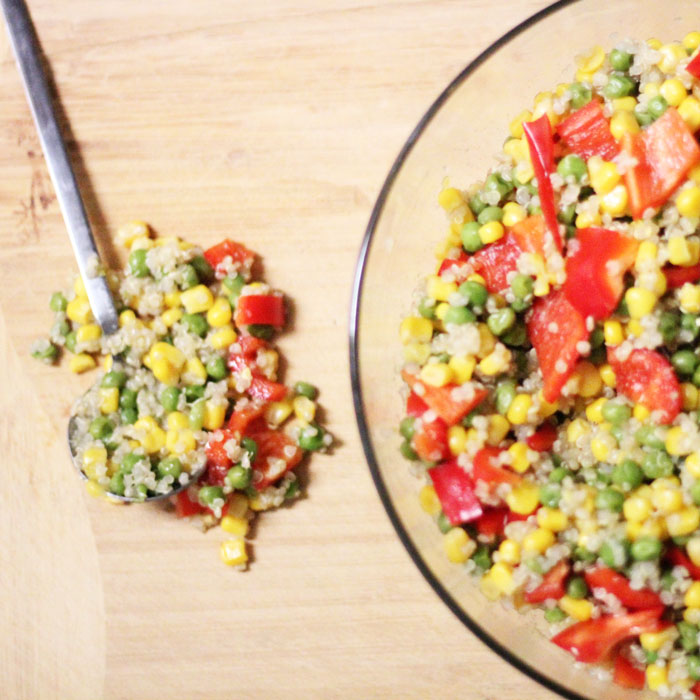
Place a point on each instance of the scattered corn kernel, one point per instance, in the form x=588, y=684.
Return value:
x=78, y=310
x=615, y=202
x=657, y=676
x=458, y=545
x=591, y=63
x=436, y=374
x=691, y=599
x=640, y=302
x=671, y=54
x=519, y=408
x=214, y=415
x=219, y=314
x=603, y=174
x=513, y=213
x=689, y=298
x=109, y=399
x=462, y=367
x=197, y=299
x=539, y=540
x=612, y=332
x=579, y=609
x=653, y=641
x=516, y=126
x=576, y=430
x=509, y=551
x=552, y=519
x=81, y=363
x=126, y=233
x=523, y=498
x=491, y=232
x=235, y=526
x=641, y=413
x=171, y=317
x=450, y=198
x=673, y=91
x=496, y=362
x=417, y=353
x=607, y=374
x=683, y=522
x=520, y=460
x=498, y=429
x=429, y=501
x=692, y=464
x=688, y=202
x=636, y=508
x=689, y=110
x=692, y=548
x=304, y=408
x=594, y=411
x=456, y=439
x=233, y=552
x=88, y=332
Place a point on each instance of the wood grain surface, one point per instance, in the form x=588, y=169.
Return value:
x=273, y=122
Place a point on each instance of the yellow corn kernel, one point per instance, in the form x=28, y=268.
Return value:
x=634, y=328
x=640, y=302
x=417, y=353
x=653, y=641
x=604, y=175
x=576, y=430
x=600, y=447
x=491, y=232
x=214, y=415
x=673, y=91
x=79, y=287
x=81, y=363
x=691, y=599
x=476, y=277
x=689, y=110
x=222, y=338
x=636, y=508
x=88, y=332
x=615, y=202
x=667, y=499
x=678, y=442
x=688, y=202
x=170, y=317
x=607, y=374
x=520, y=461
x=233, y=552
x=518, y=409
x=646, y=253
x=513, y=213
x=278, y=412
x=197, y=299
x=518, y=150
x=691, y=41
x=219, y=314
x=671, y=54
x=552, y=519
x=235, y=526
x=683, y=522
x=141, y=243
x=651, y=89
x=126, y=318
x=498, y=429
x=154, y=436
x=496, y=362
x=78, y=310
x=443, y=248
x=579, y=609
x=92, y=458
x=624, y=104
x=458, y=545
x=589, y=381
x=594, y=411
x=509, y=552
x=657, y=676
x=523, y=498
x=692, y=548
x=516, y=126
x=109, y=399
x=196, y=369
x=439, y=290
x=164, y=372
x=690, y=396
x=237, y=505
x=456, y=439
x=168, y=352
x=429, y=500
x=539, y=540
x=304, y=408
x=96, y=491
x=450, y=198
x=441, y=310
x=462, y=367
x=692, y=464
x=592, y=62
x=487, y=341
x=689, y=298
x=177, y=420
x=641, y=413
x=126, y=233
x=436, y=374
x=612, y=332
x=172, y=299
x=107, y=363
x=180, y=441
x=679, y=251
x=501, y=577
x=587, y=219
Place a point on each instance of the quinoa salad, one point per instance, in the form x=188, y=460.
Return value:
x=552, y=368
x=187, y=397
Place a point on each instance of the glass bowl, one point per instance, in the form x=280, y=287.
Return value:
x=459, y=137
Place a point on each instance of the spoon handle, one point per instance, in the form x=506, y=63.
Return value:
x=28, y=55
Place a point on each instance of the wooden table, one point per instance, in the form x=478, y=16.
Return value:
x=275, y=123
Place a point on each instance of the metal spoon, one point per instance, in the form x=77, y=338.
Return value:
x=27, y=52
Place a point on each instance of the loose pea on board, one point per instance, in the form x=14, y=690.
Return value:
x=573, y=475
x=186, y=392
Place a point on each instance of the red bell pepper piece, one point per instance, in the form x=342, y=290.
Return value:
x=529, y=234
x=228, y=249
x=455, y=489
x=595, y=271
x=250, y=345
x=492, y=522
x=587, y=133
x=441, y=400
x=555, y=328
x=552, y=586
x=484, y=469
x=627, y=675
x=184, y=507
x=260, y=386
x=277, y=454
x=430, y=441
x=541, y=144
x=267, y=309
x=495, y=261
x=456, y=265
x=694, y=66
x=678, y=557
x=250, y=416
x=696, y=689
x=593, y=640
x=665, y=151
x=415, y=406
x=677, y=276
x=647, y=377
x=620, y=587
x=543, y=438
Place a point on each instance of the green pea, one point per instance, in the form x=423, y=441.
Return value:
x=459, y=315
x=695, y=492
x=598, y=356
x=650, y=656
x=577, y=588
x=669, y=324
x=582, y=554
x=238, y=477
x=597, y=337
x=71, y=341
x=305, y=389
x=115, y=378
x=647, y=436
x=137, y=263
x=216, y=368
x=643, y=117
x=127, y=398
x=689, y=322
x=482, y=557
x=208, y=494
x=101, y=427
x=116, y=483
x=550, y=495
x=490, y=214
x=251, y=447
x=505, y=393
x=233, y=284
x=696, y=377
x=572, y=166
x=619, y=86
x=614, y=553
x=657, y=464
x=566, y=216
x=407, y=427
x=681, y=540
x=616, y=412
x=688, y=634
x=129, y=461
x=646, y=548
x=195, y=324
x=170, y=466
x=169, y=398
x=443, y=523
x=468, y=420
x=558, y=474
x=407, y=451
x=426, y=308
x=554, y=615
x=657, y=106
x=477, y=204
x=522, y=286
x=48, y=354
x=196, y=417
x=470, y=237
x=58, y=302
x=667, y=580
x=311, y=438
x=684, y=362
x=498, y=183
x=627, y=475
x=534, y=565
x=534, y=209
x=516, y=336
x=62, y=328
x=609, y=499
x=129, y=415
x=292, y=490
x=622, y=309
x=261, y=330
x=693, y=664
x=580, y=95
x=205, y=272
x=189, y=277
x=474, y=292
x=193, y=392
x=501, y=320
x=620, y=60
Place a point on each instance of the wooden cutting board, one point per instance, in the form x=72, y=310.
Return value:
x=273, y=122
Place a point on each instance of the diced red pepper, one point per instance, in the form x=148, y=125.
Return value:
x=648, y=378
x=265, y=389
x=495, y=261
x=552, y=586
x=694, y=66
x=678, y=557
x=595, y=271
x=593, y=640
x=543, y=438
x=442, y=401
x=620, y=587
x=228, y=249
x=415, y=406
x=529, y=234
x=455, y=489
x=430, y=441
x=484, y=469
x=492, y=522
x=266, y=309
x=677, y=276
x=555, y=328
x=696, y=689
x=457, y=266
x=627, y=675
x=250, y=345
x=184, y=507
x=277, y=454
x=587, y=133
x=541, y=144
x=665, y=151
x=250, y=416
